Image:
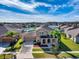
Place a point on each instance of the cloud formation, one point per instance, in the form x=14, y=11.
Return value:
x=44, y=10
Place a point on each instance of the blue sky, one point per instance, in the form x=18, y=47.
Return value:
x=39, y=10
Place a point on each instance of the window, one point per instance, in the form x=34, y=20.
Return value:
x=48, y=40
x=41, y=33
x=43, y=40
x=34, y=40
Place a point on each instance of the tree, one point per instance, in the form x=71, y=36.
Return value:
x=10, y=33
x=56, y=32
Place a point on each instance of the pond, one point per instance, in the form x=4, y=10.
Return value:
x=29, y=29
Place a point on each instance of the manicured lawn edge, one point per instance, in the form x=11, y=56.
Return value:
x=7, y=56
x=61, y=55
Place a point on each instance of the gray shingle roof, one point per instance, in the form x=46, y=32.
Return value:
x=74, y=32
x=3, y=30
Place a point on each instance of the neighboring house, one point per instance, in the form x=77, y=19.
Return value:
x=43, y=36
x=62, y=28
x=74, y=34
x=71, y=32
x=6, y=39
x=65, y=29
x=3, y=30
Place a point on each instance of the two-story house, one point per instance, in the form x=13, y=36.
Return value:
x=45, y=38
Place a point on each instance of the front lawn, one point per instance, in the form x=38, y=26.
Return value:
x=69, y=43
x=43, y=55
x=69, y=55
x=40, y=49
x=61, y=55
x=7, y=56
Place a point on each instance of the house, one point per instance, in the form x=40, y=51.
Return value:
x=3, y=30
x=6, y=39
x=71, y=31
x=44, y=38
x=62, y=28
x=74, y=34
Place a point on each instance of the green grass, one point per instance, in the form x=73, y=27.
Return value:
x=18, y=44
x=7, y=56
x=63, y=55
x=69, y=55
x=69, y=43
x=40, y=49
x=16, y=47
x=43, y=55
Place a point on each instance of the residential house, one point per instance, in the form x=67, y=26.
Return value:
x=5, y=39
x=71, y=32
x=74, y=34
x=3, y=30
x=44, y=37
x=62, y=28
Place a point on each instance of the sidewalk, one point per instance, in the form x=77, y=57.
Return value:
x=60, y=51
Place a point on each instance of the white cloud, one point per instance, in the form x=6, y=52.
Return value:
x=21, y=5
x=15, y=17
x=8, y=16
x=18, y=4
x=29, y=7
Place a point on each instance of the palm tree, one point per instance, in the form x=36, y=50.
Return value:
x=57, y=33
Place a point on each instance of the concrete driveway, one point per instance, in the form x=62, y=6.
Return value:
x=26, y=51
